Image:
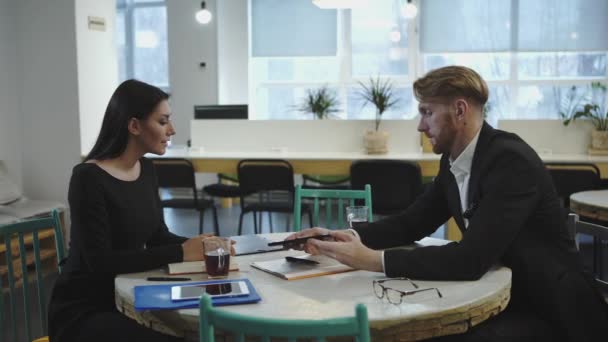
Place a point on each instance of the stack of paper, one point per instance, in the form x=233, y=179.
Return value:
x=187, y=267
x=292, y=271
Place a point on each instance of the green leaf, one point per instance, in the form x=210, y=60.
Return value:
x=320, y=102
x=379, y=93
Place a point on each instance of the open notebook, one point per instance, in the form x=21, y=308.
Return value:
x=293, y=271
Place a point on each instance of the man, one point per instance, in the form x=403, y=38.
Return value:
x=504, y=202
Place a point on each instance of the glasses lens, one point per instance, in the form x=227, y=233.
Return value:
x=378, y=290
x=393, y=296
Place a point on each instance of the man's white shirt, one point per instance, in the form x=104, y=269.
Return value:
x=461, y=169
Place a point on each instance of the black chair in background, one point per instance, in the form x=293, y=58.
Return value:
x=267, y=185
x=395, y=183
x=600, y=235
x=177, y=175
x=227, y=185
x=569, y=178
x=222, y=189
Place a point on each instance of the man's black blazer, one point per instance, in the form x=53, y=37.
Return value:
x=515, y=218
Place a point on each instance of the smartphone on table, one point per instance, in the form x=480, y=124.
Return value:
x=217, y=290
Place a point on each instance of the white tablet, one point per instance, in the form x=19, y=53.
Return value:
x=218, y=290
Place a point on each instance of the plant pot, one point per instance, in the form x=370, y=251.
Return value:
x=599, y=140
x=376, y=142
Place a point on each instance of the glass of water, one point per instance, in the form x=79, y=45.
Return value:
x=357, y=215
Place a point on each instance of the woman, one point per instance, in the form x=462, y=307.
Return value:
x=117, y=221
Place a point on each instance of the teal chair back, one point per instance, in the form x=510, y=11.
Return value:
x=25, y=234
x=265, y=328
x=329, y=196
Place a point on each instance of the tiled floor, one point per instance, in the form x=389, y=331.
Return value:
x=184, y=222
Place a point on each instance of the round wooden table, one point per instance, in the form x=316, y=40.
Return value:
x=591, y=204
x=420, y=316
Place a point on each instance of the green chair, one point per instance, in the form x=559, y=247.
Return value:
x=265, y=328
x=328, y=196
x=26, y=233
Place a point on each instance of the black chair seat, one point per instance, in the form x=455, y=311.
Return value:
x=222, y=190
x=186, y=203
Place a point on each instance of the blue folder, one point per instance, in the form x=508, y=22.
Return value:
x=158, y=297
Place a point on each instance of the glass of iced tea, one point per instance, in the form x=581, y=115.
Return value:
x=357, y=215
x=217, y=256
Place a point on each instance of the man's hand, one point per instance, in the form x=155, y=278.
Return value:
x=306, y=233
x=347, y=249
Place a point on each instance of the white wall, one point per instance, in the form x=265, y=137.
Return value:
x=233, y=51
x=48, y=89
x=97, y=67
x=320, y=136
x=10, y=126
x=551, y=136
x=190, y=43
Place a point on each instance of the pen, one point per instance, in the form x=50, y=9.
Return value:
x=166, y=279
x=301, y=261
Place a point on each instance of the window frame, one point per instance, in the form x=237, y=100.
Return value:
x=128, y=7
x=416, y=67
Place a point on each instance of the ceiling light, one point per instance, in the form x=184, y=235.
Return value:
x=203, y=16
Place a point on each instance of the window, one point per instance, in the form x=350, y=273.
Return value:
x=141, y=28
x=337, y=48
x=530, y=52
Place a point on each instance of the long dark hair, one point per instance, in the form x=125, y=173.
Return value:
x=132, y=99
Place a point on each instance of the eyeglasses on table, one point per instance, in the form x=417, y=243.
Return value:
x=395, y=296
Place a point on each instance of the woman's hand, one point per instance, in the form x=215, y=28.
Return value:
x=194, y=250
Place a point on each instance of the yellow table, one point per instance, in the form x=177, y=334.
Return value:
x=333, y=163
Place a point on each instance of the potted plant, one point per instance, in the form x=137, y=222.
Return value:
x=576, y=106
x=322, y=103
x=380, y=94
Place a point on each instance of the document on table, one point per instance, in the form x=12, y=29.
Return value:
x=293, y=271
